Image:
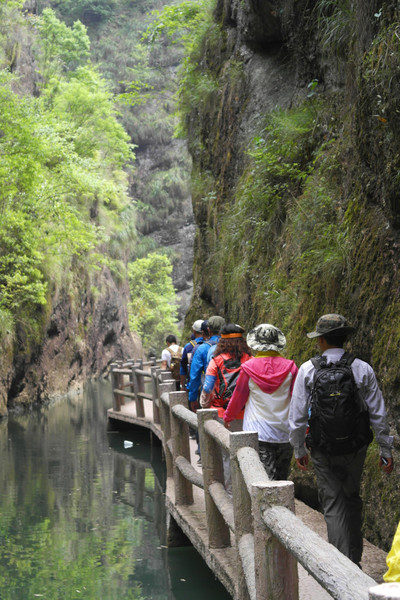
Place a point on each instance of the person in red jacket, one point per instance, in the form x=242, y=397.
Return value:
x=224, y=368
x=222, y=374
x=264, y=390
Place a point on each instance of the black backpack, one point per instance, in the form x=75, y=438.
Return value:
x=338, y=419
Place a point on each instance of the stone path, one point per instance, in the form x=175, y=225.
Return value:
x=191, y=519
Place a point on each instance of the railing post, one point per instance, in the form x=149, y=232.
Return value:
x=211, y=460
x=180, y=447
x=156, y=410
x=138, y=386
x=275, y=567
x=116, y=405
x=241, y=506
x=166, y=387
x=117, y=380
x=385, y=591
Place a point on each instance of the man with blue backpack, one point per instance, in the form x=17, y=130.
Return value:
x=197, y=335
x=199, y=362
x=335, y=401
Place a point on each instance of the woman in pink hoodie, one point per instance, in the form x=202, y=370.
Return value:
x=264, y=389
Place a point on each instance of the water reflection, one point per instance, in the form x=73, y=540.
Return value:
x=83, y=517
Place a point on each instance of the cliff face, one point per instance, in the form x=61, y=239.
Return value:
x=84, y=325
x=295, y=162
x=86, y=330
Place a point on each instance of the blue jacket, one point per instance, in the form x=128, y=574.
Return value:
x=199, y=365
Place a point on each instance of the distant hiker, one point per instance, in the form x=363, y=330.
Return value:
x=199, y=362
x=171, y=358
x=188, y=352
x=336, y=398
x=221, y=377
x=264, y=387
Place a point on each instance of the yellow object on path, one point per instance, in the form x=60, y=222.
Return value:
x=393, y=560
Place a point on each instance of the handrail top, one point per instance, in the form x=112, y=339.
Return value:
x=143, y=373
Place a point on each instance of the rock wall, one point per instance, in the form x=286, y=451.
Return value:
x=295, y=155
x=86, y=330
x=85, y=325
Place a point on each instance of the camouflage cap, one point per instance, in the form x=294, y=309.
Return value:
x=329, y=323
x=266, y=337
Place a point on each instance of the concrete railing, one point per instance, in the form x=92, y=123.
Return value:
x=258, y=517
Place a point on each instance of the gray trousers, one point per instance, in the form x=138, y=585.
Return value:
x=276, y=459
x=339, y=480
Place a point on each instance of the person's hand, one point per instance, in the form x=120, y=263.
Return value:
x=194, y=406
x=302, y=462
x=386, y=464
x=227, y=425
x=205, y=400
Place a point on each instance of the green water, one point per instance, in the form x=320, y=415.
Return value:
x=83, y=517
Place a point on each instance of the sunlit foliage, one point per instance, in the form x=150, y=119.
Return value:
x=152, y=310
x=61, y=171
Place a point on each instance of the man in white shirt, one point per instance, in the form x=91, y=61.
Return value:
x=339, y=475
x=171, y=358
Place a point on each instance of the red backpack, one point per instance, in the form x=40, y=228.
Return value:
x=227, y=375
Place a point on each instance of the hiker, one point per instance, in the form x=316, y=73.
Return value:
x=187, y=353
x=264, y=387
x=338, y=450
x=220, y=381
x=224, y=368
x=199, y=362
x=171, y=358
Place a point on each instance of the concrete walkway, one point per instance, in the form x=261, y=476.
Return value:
x=191, y=519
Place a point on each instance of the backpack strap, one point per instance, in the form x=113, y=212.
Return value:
x=318, y=361
x=347, y=359
x=321, y=361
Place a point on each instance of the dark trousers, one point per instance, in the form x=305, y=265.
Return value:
x=339, y=480
x=276, y=459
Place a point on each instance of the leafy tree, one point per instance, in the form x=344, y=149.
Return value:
x=152, y=309
x=87, y=11
x=62, y=157
x=62, y=48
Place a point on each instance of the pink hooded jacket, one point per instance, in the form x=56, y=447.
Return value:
x=268, y=373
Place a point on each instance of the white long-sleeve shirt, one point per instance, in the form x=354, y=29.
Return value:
x=370, y=393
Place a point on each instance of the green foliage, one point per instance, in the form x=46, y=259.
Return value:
x=378, y=127
x=143, y=76
x=177, y=22
x=6, y=329
x=188, y=23
x=87, y=101
x=61, y=176
x=152, y=308
x=62, y=48
x=280, y=161
x=88, y=11
x=335, y=21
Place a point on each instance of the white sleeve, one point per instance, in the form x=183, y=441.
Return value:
x=371, y=394
x=298, y=412
x=166, y=355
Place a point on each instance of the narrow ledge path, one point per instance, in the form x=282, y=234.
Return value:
x=192, y=520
